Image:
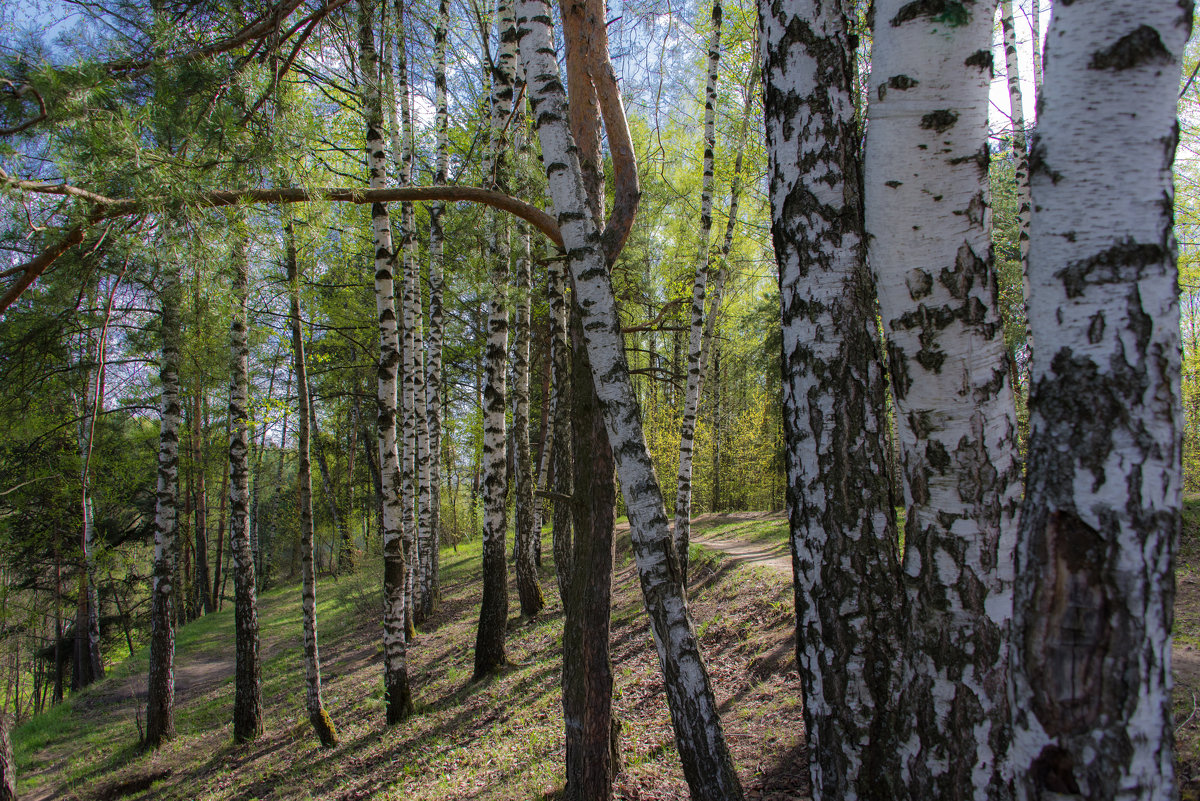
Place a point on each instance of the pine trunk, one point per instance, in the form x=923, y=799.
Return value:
x=88, y=666
x=312, y=660
x=843, y=529
x=247, y=699
x=1095, y=584
x=695, y=370
x=201, y=599
x=928, y=222
x=705, y=757
x=160, y=685
x=397, y=692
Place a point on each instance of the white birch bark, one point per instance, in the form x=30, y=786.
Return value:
x=1036, y=29
x=431, y=590
x=928, y=224
x=160, y=684
x=842, y=527
x=1020, y=151
x=398, y=695
x=493, y=612
x=1092, y=635
x=695, y=372
x=247, y=700
x=696, y=720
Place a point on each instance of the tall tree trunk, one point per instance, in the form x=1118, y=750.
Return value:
x=842, y=526
x=561, y=405
x=1094, y=591
x=525, y=535
x=395, y=648
x=695, y=372
x=247, y=699
x=341, y=524
x=493, y=611
x=317, y=715
x=431, y=590
x=217, y=583
x=160, y=684
x=1020, y=154
x=88, y=666
x=928, y=222
x=703, y=752
x=201, y=599
x=1036, y=35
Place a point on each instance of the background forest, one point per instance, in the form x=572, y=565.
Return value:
x=120, y=111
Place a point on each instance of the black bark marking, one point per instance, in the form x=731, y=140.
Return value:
x=940, y=121
x=981, y=59
x=1123, y=263
x=1054, y=770
x=919, y=283
x=1142, y=46
x=947, y=11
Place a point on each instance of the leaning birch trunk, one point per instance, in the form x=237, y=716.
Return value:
x=317, y=715
x=695, y=371
x=928, y=224
x=703, y=752
x=493, y=611
x=160, y=685
x=395, y=648
x=247, y=704
x=1092, y=635
x=844, y=559
x=431, y=590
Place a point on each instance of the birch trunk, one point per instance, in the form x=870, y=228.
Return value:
x=1036, y=31
x=317, y=715
x=88, y=666
x=1020, y=155
x=395, y=650
x=705, y=757
x=493, y=612
x=160, y=684
x=525, y=533
x=1095, y=589
x=928, y=222
x=843, y=529
x=247, y=700
x=561, y=402
x=695, y=370
x=431, y=591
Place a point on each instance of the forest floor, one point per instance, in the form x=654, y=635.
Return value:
x=496, y=739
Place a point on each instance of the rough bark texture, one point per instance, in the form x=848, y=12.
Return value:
x=1092, y=644
x=247, y=698
x=493, y=611
x=160, y=685
x=703, y=753
x=317, y=715
x=398, y=695
x=695, y=370
x=843, y=529
x=201, y=597
x=87, y=664
x=928, y=221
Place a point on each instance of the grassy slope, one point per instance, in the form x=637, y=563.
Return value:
x=499, y=739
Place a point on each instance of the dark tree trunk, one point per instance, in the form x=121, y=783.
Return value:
x=201, y=598
x=8, y=767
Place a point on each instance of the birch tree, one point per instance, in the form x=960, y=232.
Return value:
x=842, y=526
x=698, y=734
x=395, y=645
x=247, y=698
x=493, y=610
x=928, y=224
x=160, y=684
x=88, y=666
x=695, y=369
x=1094, y=589
x=317, y=715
